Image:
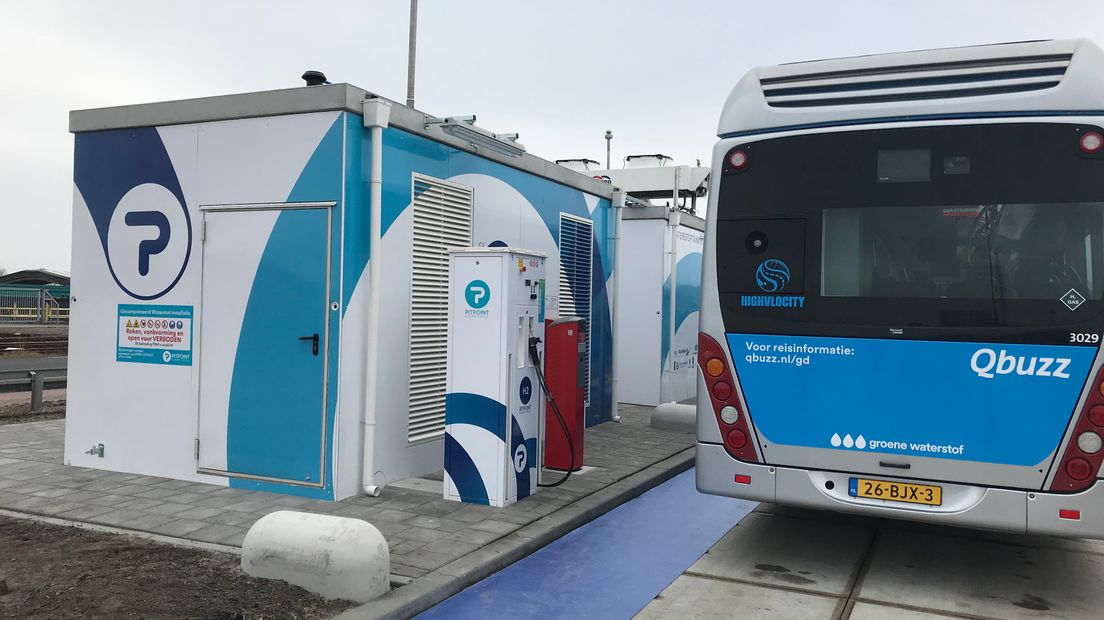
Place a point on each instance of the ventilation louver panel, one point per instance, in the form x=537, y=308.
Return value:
x=442, y=221
x=576, y=235
x=919, y=82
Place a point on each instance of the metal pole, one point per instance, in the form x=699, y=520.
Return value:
x=609, y=136
x=411, y=53
x=37, y=382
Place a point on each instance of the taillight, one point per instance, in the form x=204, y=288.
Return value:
x=726, y=406
x=1081, y=461
x=1091, y=142
x=739, y=159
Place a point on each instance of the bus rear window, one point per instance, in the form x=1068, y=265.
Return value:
x=988, y=251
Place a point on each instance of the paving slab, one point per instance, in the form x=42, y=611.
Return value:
x=701, y=597
x=445, y=546
x=972, y=576
x=871, y=611
x=807, y=553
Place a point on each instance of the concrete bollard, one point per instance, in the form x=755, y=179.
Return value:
x=334, y=557
x=675, y=417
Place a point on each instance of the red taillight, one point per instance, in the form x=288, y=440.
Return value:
x=742, y=479
x=1096, y=415
x=719, y=383
x=1091, y=142
x=738, y=159
x=1066, y=513
x=1078, y=467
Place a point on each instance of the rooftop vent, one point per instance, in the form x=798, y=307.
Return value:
x=579, y=165
x=647, y=161
x=917, y=82
x=315, y=78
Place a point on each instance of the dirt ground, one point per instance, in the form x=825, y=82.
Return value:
x=15, y=413
x=49, y=571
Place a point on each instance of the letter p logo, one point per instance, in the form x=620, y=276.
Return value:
x=148, y=240
x=477, y=294
x=149, y=247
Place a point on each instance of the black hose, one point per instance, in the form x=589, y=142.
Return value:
x=534, y=355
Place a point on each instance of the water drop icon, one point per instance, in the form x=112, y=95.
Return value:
x=836, y=441
x=847, y=441
x=860, y=443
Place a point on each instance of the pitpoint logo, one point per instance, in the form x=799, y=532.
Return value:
x=772, y=275
x=521, y=458
x=143, y=253
x=477, y=294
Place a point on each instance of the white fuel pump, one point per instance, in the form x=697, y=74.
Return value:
x=493, y=403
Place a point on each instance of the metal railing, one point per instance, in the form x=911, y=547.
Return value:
x=31, y=305
x=34, y=373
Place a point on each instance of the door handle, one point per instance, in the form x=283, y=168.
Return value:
x=314, y=342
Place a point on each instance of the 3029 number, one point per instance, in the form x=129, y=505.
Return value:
x=1082, y=337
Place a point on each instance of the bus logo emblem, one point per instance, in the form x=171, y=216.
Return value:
x=1073, y=299
x=772, y=275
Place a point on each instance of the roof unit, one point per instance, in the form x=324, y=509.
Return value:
x=658, y=182
x=1037, y=76
x=916, y=82
x=579, y=165
x=647, y=161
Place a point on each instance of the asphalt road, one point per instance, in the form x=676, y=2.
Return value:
x=30, y=363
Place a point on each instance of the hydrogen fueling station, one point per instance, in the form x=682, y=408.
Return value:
x=286, y=325
x=318, y=352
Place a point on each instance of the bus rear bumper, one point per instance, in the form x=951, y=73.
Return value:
x=1025, y=512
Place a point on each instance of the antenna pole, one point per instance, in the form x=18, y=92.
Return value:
x=609, y=137
x=411, y=53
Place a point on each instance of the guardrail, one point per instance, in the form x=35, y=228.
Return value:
x=34, y=373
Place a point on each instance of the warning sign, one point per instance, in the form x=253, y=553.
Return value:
x=154, y=335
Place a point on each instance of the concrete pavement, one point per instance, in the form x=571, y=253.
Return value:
x=790, y=563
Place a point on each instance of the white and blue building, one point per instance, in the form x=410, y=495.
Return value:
x=222, y=325
x=657, y=304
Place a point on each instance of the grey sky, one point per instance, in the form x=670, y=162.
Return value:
x=559, y=73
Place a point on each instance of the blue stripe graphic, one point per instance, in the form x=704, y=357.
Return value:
x=464, y=473
x=488, y=414
x=687, y=298
x=912, y=118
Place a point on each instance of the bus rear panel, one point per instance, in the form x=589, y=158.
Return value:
x=903, y=318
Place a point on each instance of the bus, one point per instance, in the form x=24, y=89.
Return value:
x=903, y=288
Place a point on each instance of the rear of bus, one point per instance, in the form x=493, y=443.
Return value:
x=903, y=288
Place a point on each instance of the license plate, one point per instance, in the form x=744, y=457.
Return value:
x=896, y=491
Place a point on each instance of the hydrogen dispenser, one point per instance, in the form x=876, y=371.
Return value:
x=493, y=402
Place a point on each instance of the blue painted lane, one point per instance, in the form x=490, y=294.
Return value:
x=611, y=567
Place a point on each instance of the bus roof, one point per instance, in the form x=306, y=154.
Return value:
x=1008, y=79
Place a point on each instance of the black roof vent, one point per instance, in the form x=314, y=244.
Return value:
x=315, y=78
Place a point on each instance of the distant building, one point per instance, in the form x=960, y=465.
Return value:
x=34, y=296
x=36, y=276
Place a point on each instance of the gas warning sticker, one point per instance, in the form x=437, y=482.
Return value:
x=154, y=335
